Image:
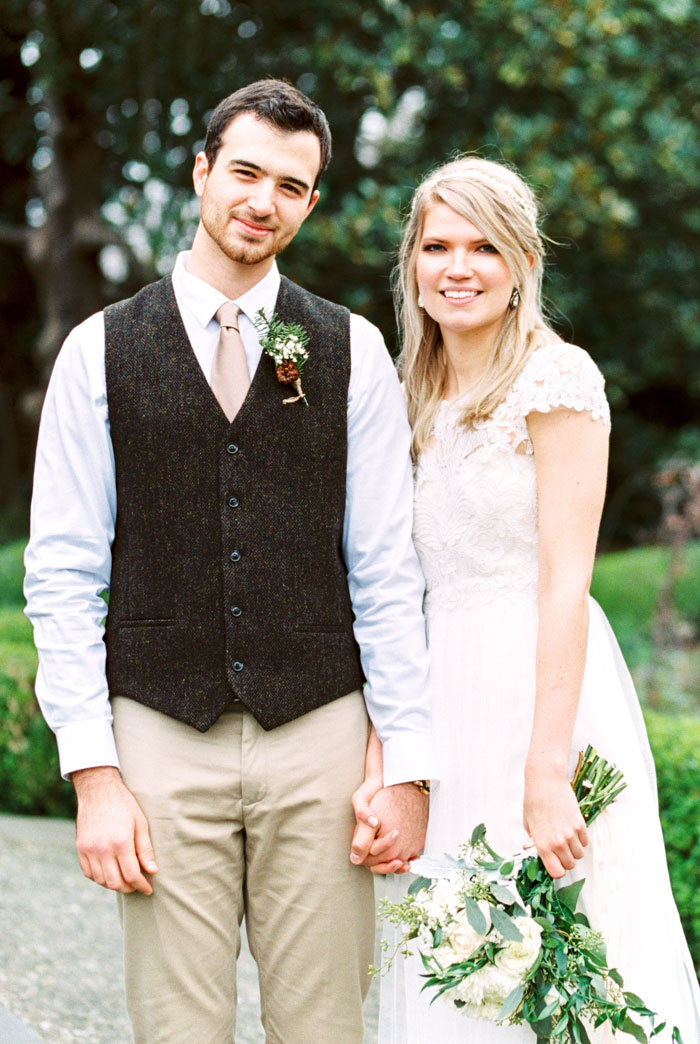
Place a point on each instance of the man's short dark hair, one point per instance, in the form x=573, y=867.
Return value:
x=275, y=102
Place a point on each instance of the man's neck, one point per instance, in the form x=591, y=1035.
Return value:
x=231, y=278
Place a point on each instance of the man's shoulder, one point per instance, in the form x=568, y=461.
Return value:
x=291, y=294
x=160, y=291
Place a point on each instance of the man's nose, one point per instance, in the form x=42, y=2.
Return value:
x=262, y=198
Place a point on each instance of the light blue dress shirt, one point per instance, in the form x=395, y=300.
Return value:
x=74, y=506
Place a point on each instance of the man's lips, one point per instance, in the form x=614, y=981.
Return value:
x=251, y=229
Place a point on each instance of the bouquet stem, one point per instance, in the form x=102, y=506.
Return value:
x=596, y=784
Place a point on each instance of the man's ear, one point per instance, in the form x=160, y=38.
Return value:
x=200, y=173
x=312, y=202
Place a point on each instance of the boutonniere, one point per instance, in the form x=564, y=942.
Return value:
x=286, y=344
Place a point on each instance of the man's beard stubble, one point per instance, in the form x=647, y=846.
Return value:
x=241, y=252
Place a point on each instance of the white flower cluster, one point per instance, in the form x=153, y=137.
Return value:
x=289, y=350
x=481, y=992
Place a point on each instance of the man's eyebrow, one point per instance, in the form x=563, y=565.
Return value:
x=254, y=166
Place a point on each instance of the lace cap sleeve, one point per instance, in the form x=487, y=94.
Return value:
x=562, y=375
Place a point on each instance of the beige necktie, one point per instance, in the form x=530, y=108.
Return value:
x=229, y=376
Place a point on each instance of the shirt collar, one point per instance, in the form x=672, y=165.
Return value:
x=204, y=300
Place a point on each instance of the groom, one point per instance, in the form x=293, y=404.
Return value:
x=258, y=558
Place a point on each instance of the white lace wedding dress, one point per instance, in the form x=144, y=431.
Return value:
x=476, y=534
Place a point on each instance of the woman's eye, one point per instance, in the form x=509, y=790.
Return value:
x=430, y=248
x=488, y=248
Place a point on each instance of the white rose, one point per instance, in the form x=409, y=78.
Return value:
x=463, y=938
x=499, y=984
x=516, y=958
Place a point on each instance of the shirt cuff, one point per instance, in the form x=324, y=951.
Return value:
x=86, y=744
x=408, y=757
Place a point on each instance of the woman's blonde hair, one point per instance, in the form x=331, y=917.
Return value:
x=499, y=203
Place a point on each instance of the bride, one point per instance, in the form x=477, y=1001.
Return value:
x=510, y=432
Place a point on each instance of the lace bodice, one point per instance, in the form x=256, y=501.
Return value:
x=475, y=488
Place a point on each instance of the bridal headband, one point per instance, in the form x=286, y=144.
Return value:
x=528, y=208
x=480, y=178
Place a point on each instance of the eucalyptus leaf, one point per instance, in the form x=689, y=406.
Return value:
x=475, y=917
x=511, y=1003
x=434, y=866
x=505, y=924
x=634, y=1030
x=561, y=960
x=418, y=885
x=581, y=1030
x=549, y=1009
x=532, y=869
x=569, y=894
x=502, y=894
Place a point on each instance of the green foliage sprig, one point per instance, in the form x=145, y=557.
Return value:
x=284, y=342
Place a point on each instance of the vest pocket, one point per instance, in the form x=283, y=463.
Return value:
x=149, y=621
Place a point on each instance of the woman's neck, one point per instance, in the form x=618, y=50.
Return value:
x=465, y=365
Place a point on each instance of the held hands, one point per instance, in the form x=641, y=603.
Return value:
x=112, y=837
x=391, y=825
x=553, y=820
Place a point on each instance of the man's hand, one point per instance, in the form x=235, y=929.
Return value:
x=402, y=811
x=112, y=837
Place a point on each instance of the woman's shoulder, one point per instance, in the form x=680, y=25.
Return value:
x=559, y=358
x=559, y=375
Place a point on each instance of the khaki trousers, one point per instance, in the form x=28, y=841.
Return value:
x=254, y=823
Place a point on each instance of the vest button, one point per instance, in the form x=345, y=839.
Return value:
x=235, y=556
x=233, y=501
x=237, y=665
x=232, y=448
x=236, y=610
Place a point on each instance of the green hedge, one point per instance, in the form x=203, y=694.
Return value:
x=30, y=781
x=11, y=573
x=675, y=742
x=627, y=585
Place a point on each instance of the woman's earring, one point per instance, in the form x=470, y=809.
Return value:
x=420, y=302
x=514, y=298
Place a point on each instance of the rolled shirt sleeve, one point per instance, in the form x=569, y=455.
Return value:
x=68, y=558
x=384, y=576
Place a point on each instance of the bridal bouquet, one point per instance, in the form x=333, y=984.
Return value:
x=500, y=941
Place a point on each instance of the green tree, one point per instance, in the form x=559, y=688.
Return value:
x=595, y=101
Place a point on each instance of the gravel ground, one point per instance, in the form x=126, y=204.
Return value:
x=60, y=947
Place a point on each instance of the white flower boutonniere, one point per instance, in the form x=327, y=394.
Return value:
x=286, y=344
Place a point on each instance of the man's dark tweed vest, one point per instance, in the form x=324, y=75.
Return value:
x=227, y=568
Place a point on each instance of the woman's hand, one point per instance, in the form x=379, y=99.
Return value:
x=367, y=823
x=553, y=819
